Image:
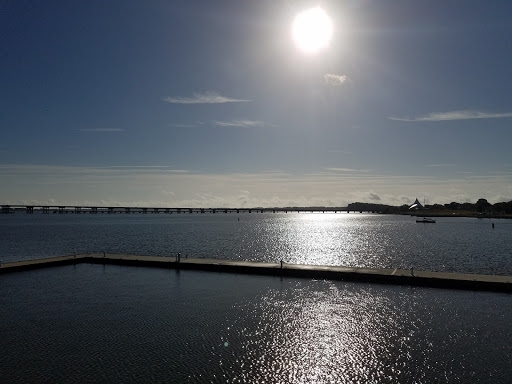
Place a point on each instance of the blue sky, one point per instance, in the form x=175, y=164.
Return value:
x=211, y=104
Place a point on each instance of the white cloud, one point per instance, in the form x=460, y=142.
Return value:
x=152, y=168
x=240, y=123
x=441, y=165
x=151, y=186
x=348, y=170
x=455, y=115
x=182, y=125
x=335, y=80
x=69, y=174
x=102, y=130
x=374, y=196
x=203, y=98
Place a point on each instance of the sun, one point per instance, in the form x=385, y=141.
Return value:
x=312, y=30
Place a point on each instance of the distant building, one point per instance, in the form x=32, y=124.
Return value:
x=416, y=205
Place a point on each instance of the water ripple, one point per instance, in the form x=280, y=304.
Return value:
x=92, y=323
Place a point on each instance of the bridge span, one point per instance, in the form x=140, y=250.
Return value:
x=78, y=209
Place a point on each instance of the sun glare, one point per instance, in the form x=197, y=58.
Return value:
x=312, y=30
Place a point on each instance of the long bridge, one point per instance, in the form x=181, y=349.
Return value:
x=47, y=209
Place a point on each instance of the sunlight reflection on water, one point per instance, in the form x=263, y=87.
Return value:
x=127, y=324
x=353, y=240
x=328, y=239
x=323, y=332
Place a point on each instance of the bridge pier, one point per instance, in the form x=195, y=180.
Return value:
x=88, y=209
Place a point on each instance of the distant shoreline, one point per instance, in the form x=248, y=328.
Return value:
x=458, y=214
x=419, y=213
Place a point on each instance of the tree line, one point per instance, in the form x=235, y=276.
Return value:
x=481, y=206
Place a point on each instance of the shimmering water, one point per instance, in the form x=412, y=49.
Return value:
x=92, y=323
x=361, y=240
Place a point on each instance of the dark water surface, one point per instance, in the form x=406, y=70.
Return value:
x=359, y=240
x=112, y=324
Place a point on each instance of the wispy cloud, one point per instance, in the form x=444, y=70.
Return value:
x=158, y=186
x=240, y=123
x=441, y=165
x=455, y=115
x=348, y=170
x=102, y=130
x=182, y=125
x=203, y=98
x=335, y=80
x=66, y=171
x=152, y=168
x=374, y=196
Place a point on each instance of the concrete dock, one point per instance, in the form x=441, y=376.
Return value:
x=494, y=283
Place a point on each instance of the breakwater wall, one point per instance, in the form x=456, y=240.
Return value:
x=494, y=283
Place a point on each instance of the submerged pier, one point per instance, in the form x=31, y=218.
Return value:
x=465, y=281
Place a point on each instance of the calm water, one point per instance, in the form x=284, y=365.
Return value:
x=112, y=324
x=452, y=244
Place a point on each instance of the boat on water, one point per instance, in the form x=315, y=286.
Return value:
x=426, y=220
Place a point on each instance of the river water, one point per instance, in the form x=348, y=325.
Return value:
x=117, y=324
x=358, y=240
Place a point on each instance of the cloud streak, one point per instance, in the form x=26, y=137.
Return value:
x=203, y=98
x=101, y=130
x=182, y=125
x=348, y=170
x=455, y=115
x=335, y=80
x=240, y=123
x=160, y=185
